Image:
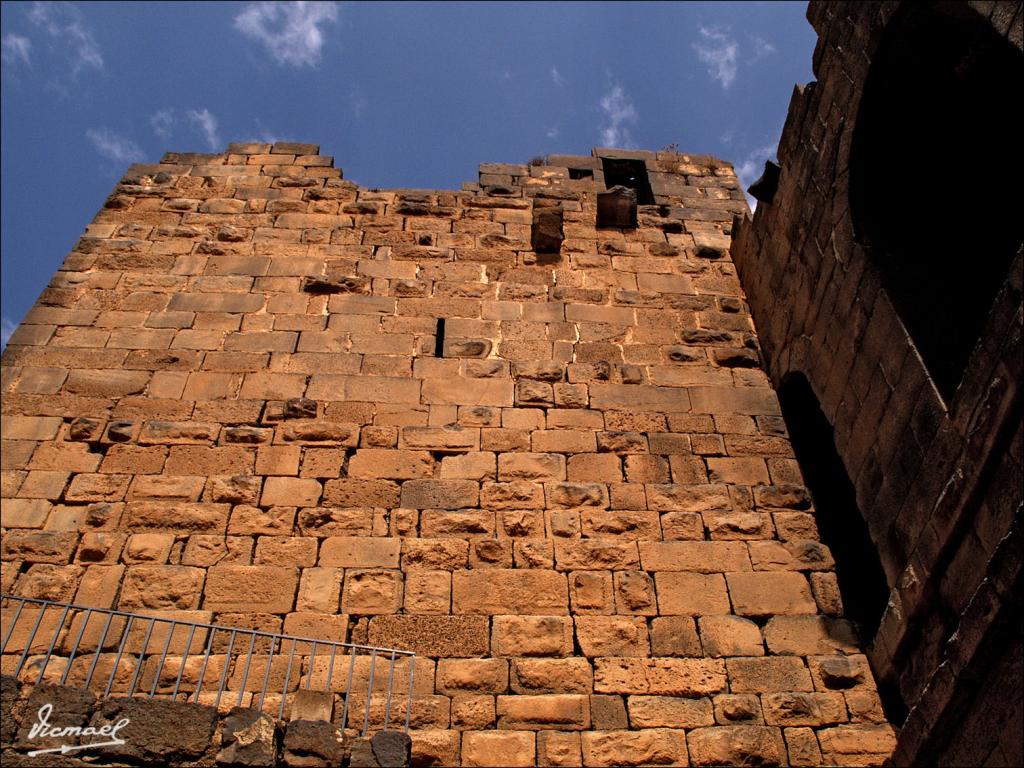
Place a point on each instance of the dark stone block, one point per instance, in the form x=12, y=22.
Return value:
x=392, y=749
x=362, y=755
x=70, y=707
x=300, y=408
x=311, y=744
x=546, y=235
x=608, y=713
x=764, y=188
x=247, y=739
x=617, y=208
x=9, y=689
x=159, y=732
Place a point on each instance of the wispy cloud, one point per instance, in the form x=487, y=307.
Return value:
x=15, y=49
x=7, y=327
x=290, y=31
x=762, y=49
x=163, y=123
x=114, y=147
x=619, y=113
x=552, y=132
x=750, y=169
x=556, y=77
x=720, y=53
x=204, y=121
x=358, y=102
x=65, y=24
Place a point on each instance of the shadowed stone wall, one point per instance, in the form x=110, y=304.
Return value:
x=896, y=293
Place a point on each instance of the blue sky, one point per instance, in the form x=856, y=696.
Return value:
x=402, y=94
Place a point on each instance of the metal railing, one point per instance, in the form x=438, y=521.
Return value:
x=132, y=654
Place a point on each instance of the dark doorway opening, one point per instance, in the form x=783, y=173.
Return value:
x=628, y=173
x=936, y=172
x=581, y=173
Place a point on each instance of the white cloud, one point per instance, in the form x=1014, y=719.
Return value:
x=163, y=123
x=720, y=53
x=290, y=30
x=618, y=114
x=64, y=23
x=552, y=132
x=204, y=121
x=114, y=147
x=16, y=48
x=556, y=77
x=751, y=168
x=762, y=49
x=358, y=102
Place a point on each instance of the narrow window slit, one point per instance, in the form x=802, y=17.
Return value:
x=439, y=338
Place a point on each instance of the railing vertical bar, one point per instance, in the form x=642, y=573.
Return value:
x=31, y=637
x=348, y=688
x=227, y=665
x=369, y=690
x=391, y=680
x=74, y=648
x=163, y=658
x=53, y=643
x=330, y=667
x=10, y=630
x=312, y=659
x=245, y=671
x=266, y=675
x=206, y=660
x=287, y=677
x=408, y=703
x=141, y=659
x=184, y=658
x=99, y=647
x=117, y=659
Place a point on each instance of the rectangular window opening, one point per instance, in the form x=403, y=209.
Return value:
x=628, y=173
x=439, y=338
x=581, y=173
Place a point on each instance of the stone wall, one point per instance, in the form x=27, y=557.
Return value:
x=579, y=507
x=936, y=467
x=176, y=733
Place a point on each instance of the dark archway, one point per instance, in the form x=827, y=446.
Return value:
x=936, y=175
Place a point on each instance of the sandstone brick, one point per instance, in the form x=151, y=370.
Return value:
x=591, y=592
x=768, y=674
x=286, y=550
x=531, y=636
x=671, y=677
x=634, y=593
x=691, y=594
x=390, y=464
x=473, y=675
x=612, y=636
x=730, y=636
x=257, y=588
x=736, y=745
x=764, y=594
x=596, y=554
x=626, y=748
x=695, y=556
x=806, y=635
x=558, y=748
x=802, y=746
x=478, y=465
x=552, y=711
x=24, y=513
x=507, y=749
x=531, y=466
x=361, y=493
x=533, y=676
x=39, y=546
x=360, y=552
x=795, y=708
x=440, y=494
x=371, y=592
x=253, y=520
x=670, y=712
x=319, y=590
x=161, y=587
x=177, y=517
x=856, y=744
x=500, y=591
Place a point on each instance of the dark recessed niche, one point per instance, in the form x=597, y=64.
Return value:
x=581, y=173
x=628, y=173
x=938, y=102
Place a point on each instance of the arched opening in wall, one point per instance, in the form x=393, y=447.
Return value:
x=862, y=583
x=937, y=173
